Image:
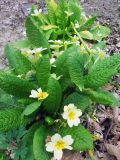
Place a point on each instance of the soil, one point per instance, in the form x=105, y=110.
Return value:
x=12, y=16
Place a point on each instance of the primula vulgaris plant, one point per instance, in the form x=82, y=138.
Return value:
x=56, y=76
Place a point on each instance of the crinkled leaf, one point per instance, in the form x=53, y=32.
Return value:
x=65, y=82
x=7, y=100
x=52, y=8
x=35, y=35
x=88, y=23
x=81, y=101
x=52, y=103
x=28, y=138
x=24, y=43
x=14, y=85
x=75, y=64
x=86, y=35
x=39, y=150
x=100, y=45
x=82, y=138
x=102, y=71
x=61, y=16
x=76, y=10
x=62, y=69
x=18, y=62
x=43, y=71
x=100, y=32
x=10, y=118
x=103, y=97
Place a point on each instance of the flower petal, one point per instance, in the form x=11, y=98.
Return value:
x=70, y=123
x=33, y=94
x=65, y=115
x=76, y=121
x=39, y=90
x=52, y=60
x=55, y=137
x=69, y=147
x=58, y=154
x=68, y=140
x=49, y=147
x=79, y=112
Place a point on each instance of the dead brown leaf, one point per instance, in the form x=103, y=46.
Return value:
x=113, y=150
x=71, y=155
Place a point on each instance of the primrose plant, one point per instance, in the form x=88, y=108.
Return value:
x=55, y=77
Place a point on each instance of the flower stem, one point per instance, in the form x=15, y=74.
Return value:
x=90, y=152
x=82, y=41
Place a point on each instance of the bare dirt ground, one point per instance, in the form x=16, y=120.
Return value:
x=12, y=16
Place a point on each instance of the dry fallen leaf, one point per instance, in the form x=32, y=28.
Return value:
x=71, y=155
x=116, y=114
x=113, y=150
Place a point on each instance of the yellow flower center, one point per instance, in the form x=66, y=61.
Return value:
x=60, y=144
x=102, y=55
x=82, y=47
x=38, y=54
x=71, y=115
x=26, y=54
x=42, y=95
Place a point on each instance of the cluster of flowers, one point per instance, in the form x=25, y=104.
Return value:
x=57, y=46
x=72, y=115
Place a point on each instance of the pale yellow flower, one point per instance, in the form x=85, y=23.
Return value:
x=52, y=60
x=58, y=144
x=37, y=12
x=39, y=94
x=72, y=114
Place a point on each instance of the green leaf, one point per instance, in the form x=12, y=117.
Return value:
x=62, y=69
x=61, y=63
x=51, y=13
x=61, y=16
x=43, y=71
x=81, y=101
x=39, y=150
x=2, y=156
x=24, y=43
x=88, y=23
x=30, y=133
x=100, y=45
x=103, y=97
x=48, y=27
x=82, y=138
x=18, y=62
x=28, y=138
x=76, y=10
x=86, y=35
x=31, y=108
x=49, y=33
x=25, y=101
x=102, y=71
x=65, y=82
x=52, y=103
x=76, y=67
x=100, y=32
x=11, y=118
x=35, y=35
x=7, y=100
x=14, y=85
